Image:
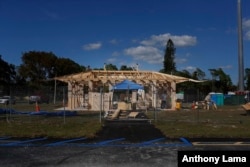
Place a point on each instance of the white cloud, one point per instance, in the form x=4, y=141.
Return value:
x=184, y=40
x=187, y=68
x=111, y=60
x=161, y=40
x=180, y=60
x=246, y=27
x=92, y=46
x=247, y=34
x=226, y=67
x=190, y=68
x=246, y=23
x=145, y=53
x=151, y=51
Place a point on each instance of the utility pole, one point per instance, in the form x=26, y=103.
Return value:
x=240, y=49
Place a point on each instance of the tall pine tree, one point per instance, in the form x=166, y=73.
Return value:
x=168, y=63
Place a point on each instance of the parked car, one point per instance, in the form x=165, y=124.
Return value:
x=34, y=99
x=38, y=99
x=7, y=100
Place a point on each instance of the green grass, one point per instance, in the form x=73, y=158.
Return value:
x=226, y=122
x=86, y=124
x=54, y=127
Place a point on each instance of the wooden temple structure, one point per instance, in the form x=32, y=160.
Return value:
x=91, y=90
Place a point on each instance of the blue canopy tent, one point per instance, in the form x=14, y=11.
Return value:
x=127, y=85
x=122, y=90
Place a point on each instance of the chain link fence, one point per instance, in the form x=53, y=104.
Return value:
x=48, y=94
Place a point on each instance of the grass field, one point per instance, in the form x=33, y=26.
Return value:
x=25, y=125
x=226, y=122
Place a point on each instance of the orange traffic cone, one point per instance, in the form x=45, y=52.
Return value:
x=37, y=107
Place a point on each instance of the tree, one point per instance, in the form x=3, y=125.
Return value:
x=221, y=81
x=126, y=68
x=7, y=75
x=214, y=74
x=169, y=56
x=197, y=90
x=39, y=66
x=247, y=78
x=111, y=67
x=184, y=73
x=65, y=66
x=198, y=74
x=185, y=85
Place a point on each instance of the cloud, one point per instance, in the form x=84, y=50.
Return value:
x=92, y=46
x=246, y=23
x=187, y=68
x=190, y=68
x=111, y=60
x=145, y=53
x=246, y=27
x=226, y=67
x=115, y=54
x=180, y=60
x=184, y=40
x=161, y=40
x=151, y=50
x=247, y=35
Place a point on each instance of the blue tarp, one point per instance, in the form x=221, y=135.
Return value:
x=45, y=113
x=58, y=113
x=5, y=111
x=127, y=85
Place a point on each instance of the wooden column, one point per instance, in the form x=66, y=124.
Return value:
x=154, y=94
x=173, y=95
x=70, y=96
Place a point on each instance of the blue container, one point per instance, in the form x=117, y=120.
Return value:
x=213, y=97
x=218, y=98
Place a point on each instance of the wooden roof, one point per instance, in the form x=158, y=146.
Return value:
x=105, y=76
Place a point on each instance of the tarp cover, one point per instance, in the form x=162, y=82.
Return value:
x=127, y=84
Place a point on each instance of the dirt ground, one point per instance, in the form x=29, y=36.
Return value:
x=132, y=131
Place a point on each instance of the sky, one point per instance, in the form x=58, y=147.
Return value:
x=128, y=32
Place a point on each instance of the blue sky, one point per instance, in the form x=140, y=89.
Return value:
x=126, y=32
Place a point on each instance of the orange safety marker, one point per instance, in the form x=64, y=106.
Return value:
x=37, y=107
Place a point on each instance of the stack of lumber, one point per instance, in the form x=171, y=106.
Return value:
x=247, y=108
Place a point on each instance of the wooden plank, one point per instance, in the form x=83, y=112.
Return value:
x=133, y=114
x=246, y=106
